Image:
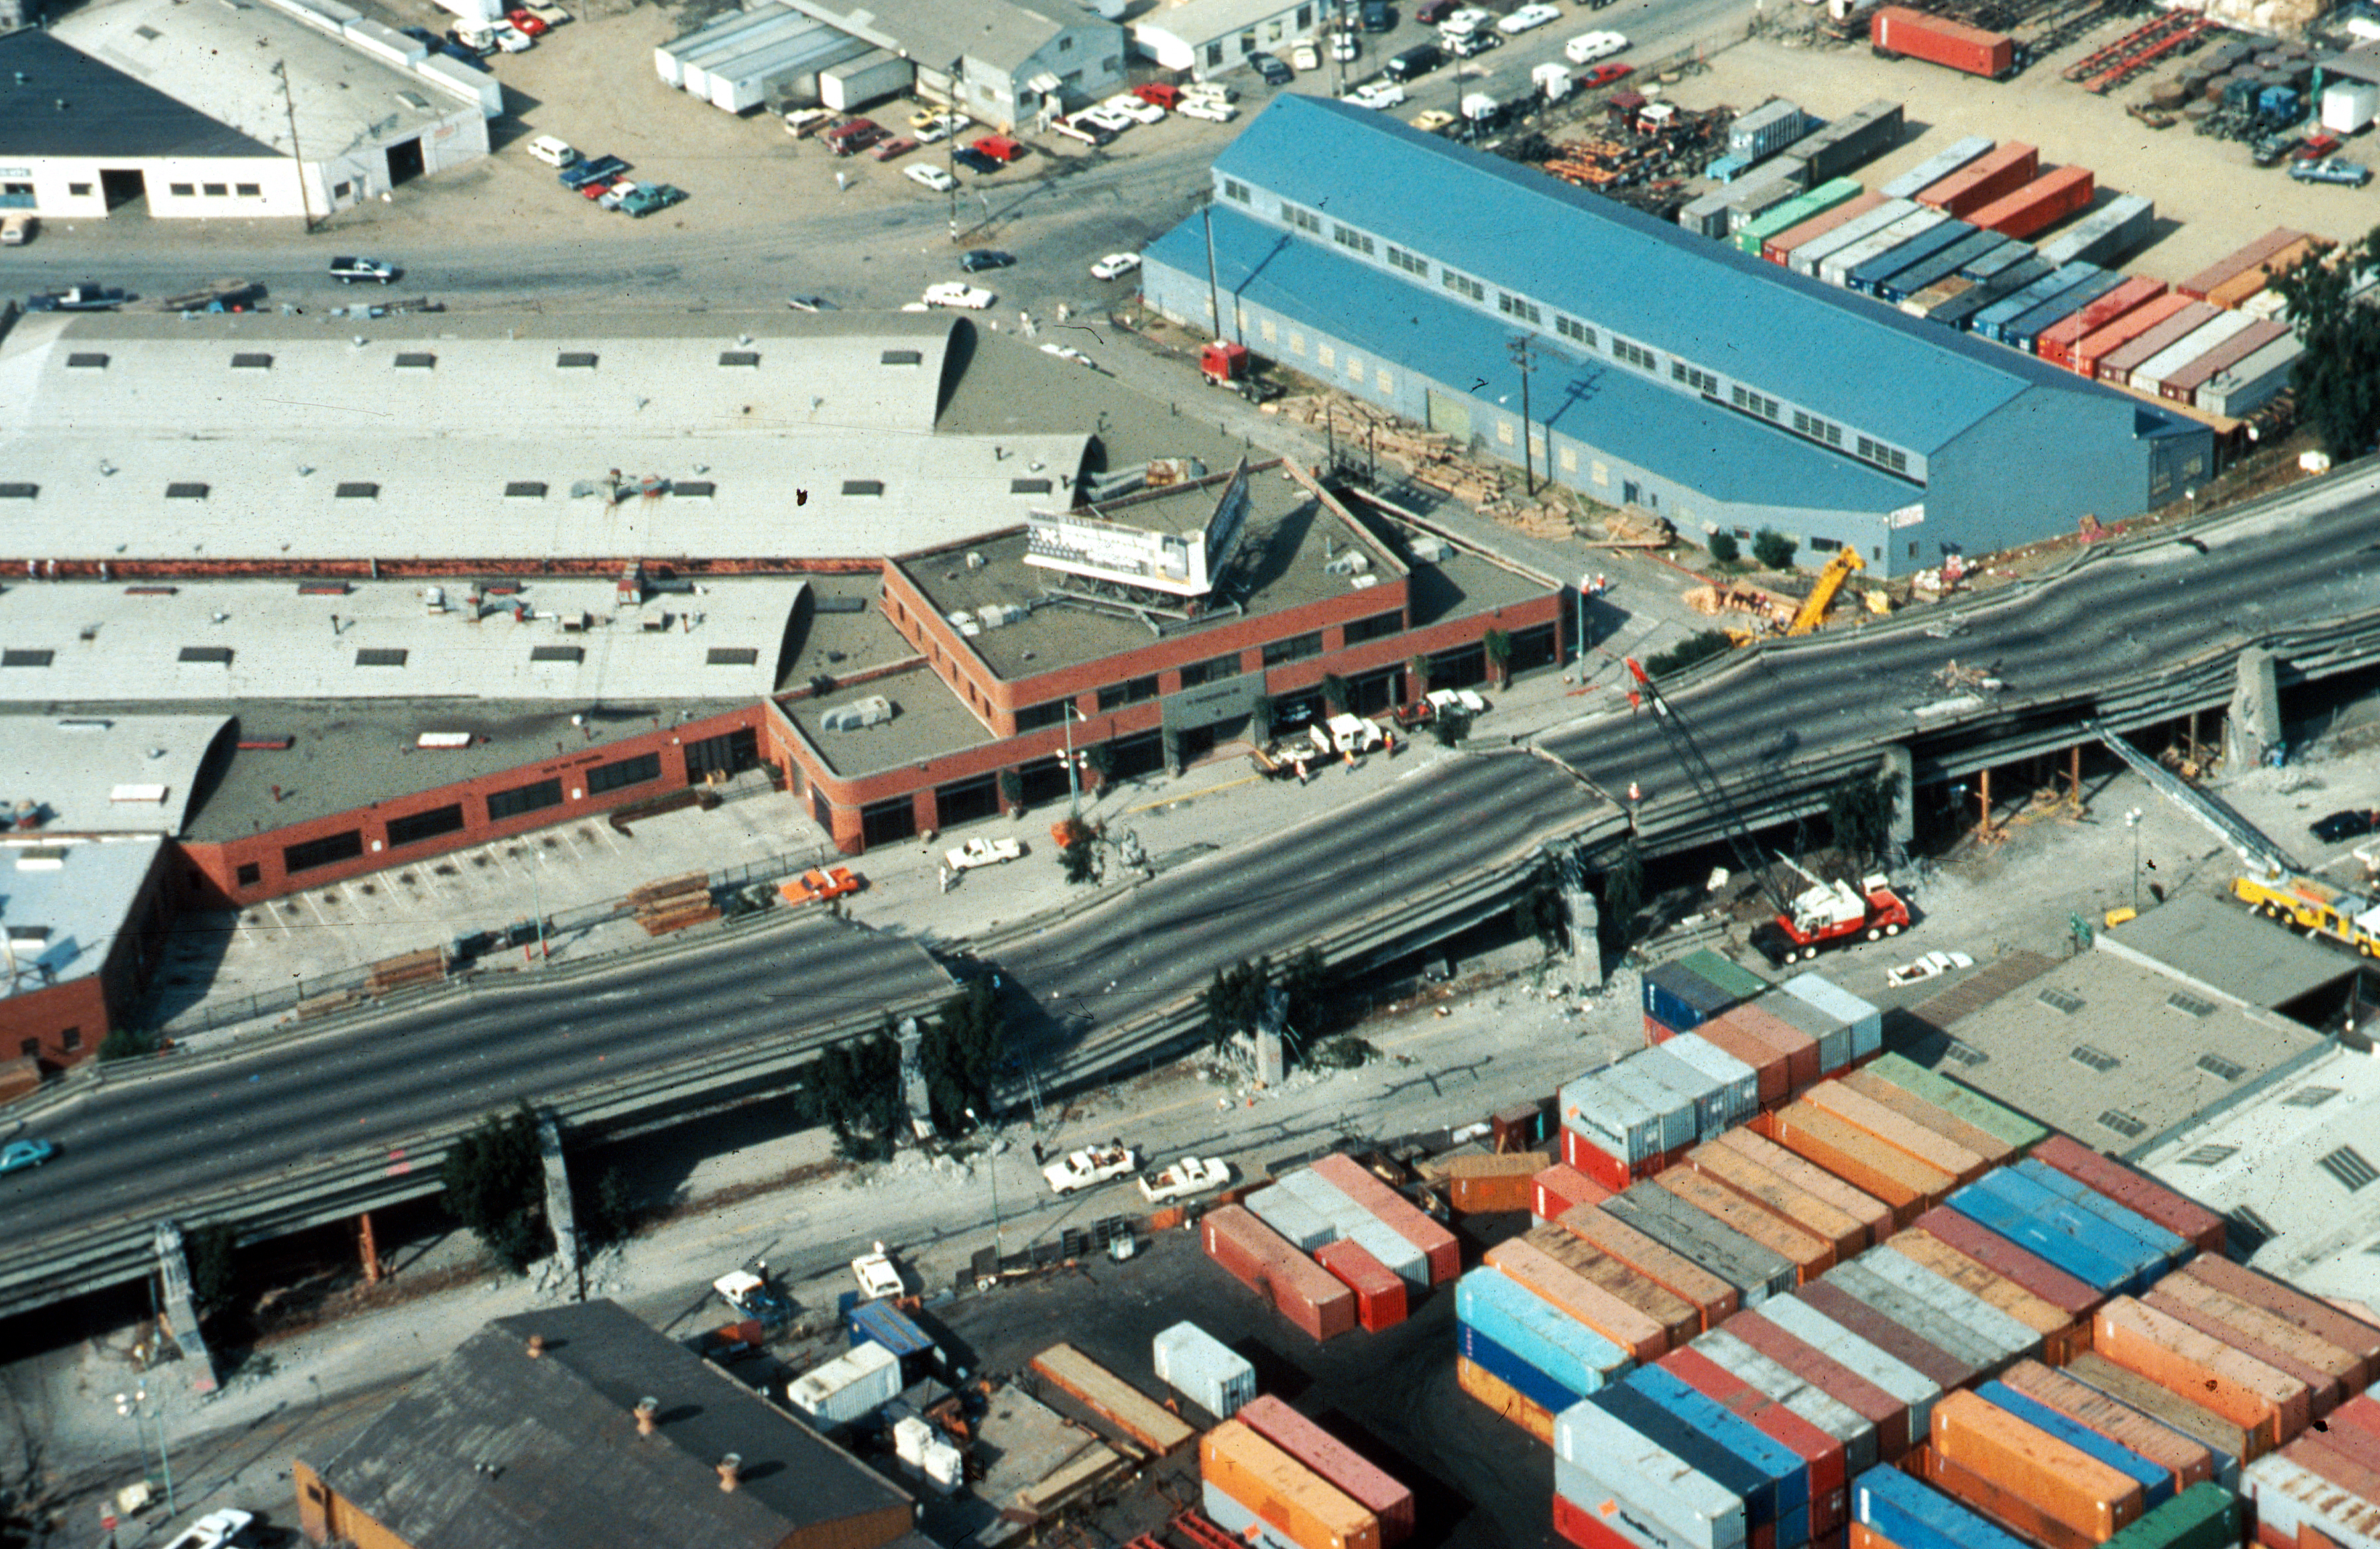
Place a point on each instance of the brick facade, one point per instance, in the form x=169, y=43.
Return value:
x=64, y=1024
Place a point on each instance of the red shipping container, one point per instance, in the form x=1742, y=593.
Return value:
x=1400, y=1214
x=1380, y=1294
x=1340, y=1466
x=1306, y=1294
x=2271, y=1407
x=1709, y=1295
x=2056, y=343
x=2136, y=1191
x=1800, y=1050
x=2281, y=1347
x=1599, y=1165
x=1939, y=41
x=1830, y=1376
x=1657, y=1032
x=2315, y=1454
x=1562, y=1187
x=1803, y=1172
x=2361, y=1414
x=1943, y=1369
x=1779, y=248
x=2186, y=1460
x=1984, y=179
x=1995, y=1252
x=2316, y=1317
x=1821, y=1455
x=2042, y=202
x=2359, y=1445
x=1997, y=1504
x=1767, y=1062
x=2097, y=347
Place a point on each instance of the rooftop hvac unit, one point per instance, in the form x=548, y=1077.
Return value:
x=973, y=560
x=1354, y=562
x=873, y=711
x=1431, y=549
x=992, y=616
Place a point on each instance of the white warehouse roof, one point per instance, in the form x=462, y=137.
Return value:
x=103, y=774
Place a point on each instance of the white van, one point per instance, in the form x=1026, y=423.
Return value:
x=552, y=151
x=16, y=230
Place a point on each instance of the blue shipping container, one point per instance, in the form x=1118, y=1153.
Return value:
x=1538, y=1333
x=1993, y=320
x=1681, y=999
x=2171, y=1247
x=1993, y=1209
x=1914, y=1516
x=1868, y=276
x=2046, y=1204
x=1512, y=1371
x=1681, y=1441
x=2156, y=1484
x=1788, y=1474
x=2022, y=332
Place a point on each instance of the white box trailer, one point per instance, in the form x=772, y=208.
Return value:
x=1205, y=1371
x=872, y=78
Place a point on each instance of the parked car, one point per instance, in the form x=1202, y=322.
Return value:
x=1081, y=127
x=652, y=197
x=975, y=260
x=1416, y=61
x=1528, y=19
x=1604, y=75
x=380, y=271
x=1431, y=120
x=1378, y=17
x=811, y=304
x=1378, y=94
x=1115, y=267
x=1133, y=106
x=981, y=852
x=974, y=160
x=931, y=127
x=899, y=145
x=16, y=229
x=83, y=298
x=466, y=57
x=529, y=22
x=552, y=151
x=1218, y=91
x=819, y=885
x=877, y=1275
x=2351, y=823
x=1210, y=108
x=1587, y=47
x=1001, y=148
x=850, y=138
x=1157, y=93
x=1305, y=55
x=1092, y=1164
x=511, y=40
x=926, y=176
x=1192, y=1175
x=217, y=1529
x=1068, y=352
x=19, y=1154
x=1269, y=67
x=609, y=197
x=1429, y=13
x=1471, y=45
x=1343, y=46
x=603, y=169
x=2351, y=174
x=804, y=122
x=423, y=36
x=1106, y=119
x=753, y=1296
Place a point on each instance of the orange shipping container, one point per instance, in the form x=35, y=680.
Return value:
x=1909, y=1186
x=1711, y=1297
x=2067, y=1483
x=2161, y=1404
x=2318, y=1317
x=1340, y=1466
x=1552, y=1281
x=1917, y=1110
x=1738, y=1173
x=1806, y=1175
x=1809, y=1253
x=1855, y=1108
x=1379, y=1293
x=2239, y=288
x=1862, y=1536
x=2061, y=1336
x=1284, y=1491
x=1494, y=1392
x=2203, y=1309
x=1479, y=1184
x=2008, y=1508
x=1770, y=1069
x=2186, y=1460
x=2269, y=1407
x=1679, y=1319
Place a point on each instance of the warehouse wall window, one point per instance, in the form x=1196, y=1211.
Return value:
x=414, y=827
x=1301, y=217
x=1412, y=263
x=1380, y=626
x=1693, y=377
x=1751, y=402
x=1462, y=285
x=1573, y=329
x=1514, y=306
x=1634, y=354
x=1115, y=696
x=523, y=799
x=622, y=772
x=1817, y=429
x=1882, y=455
x=1349, y=237
x=1235, y=191
x=1033, y=717
x=1214, y=670
x=1294, y=649
x=329, y=850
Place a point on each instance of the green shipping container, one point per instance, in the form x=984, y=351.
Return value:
x=1793, y=212
x=2202, y=1517
x=1725, y=973
x=1960, y=1102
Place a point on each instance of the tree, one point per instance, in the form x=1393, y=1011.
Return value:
x=1235, y=1001
x=606, y=1213
x=1698, y=647
x=1773, y=550
x=1334, y=693
x=859, y=1093
x=2337, y=378
x=1623, y=895
x=1078, y=856
x=1449, y=726
x=958, y=1053
x=494, y=1177
x=1859, y=811
x=1499, y=647
x=1100, y=758
x=1724, y=549
x=126, y=1044
x=214, y=1266
x=1304, y=981
x=1012, y=790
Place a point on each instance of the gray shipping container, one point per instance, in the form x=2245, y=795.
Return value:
x=1759, y=1274
x=1352, y=1222
x=1837, y=265
x=1866, y=1021
x=1996, y=262
x=1616, y=1460
x=1705, y=217
x=1934, y=168
x=1805, y=259
x=1620, y=1126
x=2150, y=375
x=1739, y=1082
x=1832, y=1033
x=1703, y=1090
x=2010, y=1337
x=850, y=1387
x=2025, y=332
x=1854, y=140
x=2105, y=235
x=1927, y=1322
x=1763, y=191
x=1868, y=277
x=1821, y=1333
x=1630, y=1519
x=1291, y=1217
x=1822, y=1409
x=1203, y=1369
x=1767, y=129
x=1972, y=244
x=1680, y=1125
x=2252, y=384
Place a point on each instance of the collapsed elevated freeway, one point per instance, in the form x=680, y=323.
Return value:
x=281, y=1136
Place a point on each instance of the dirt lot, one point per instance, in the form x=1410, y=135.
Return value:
x=2209, y=199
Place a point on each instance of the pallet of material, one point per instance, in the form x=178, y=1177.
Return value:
x=424, y=967
x=1097, y=1463
x=1112, y=1399
x=669, y=887
x=661, y=920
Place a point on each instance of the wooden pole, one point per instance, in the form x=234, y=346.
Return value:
x=1984, y=797
x=2075, y=775
x=372, y=1271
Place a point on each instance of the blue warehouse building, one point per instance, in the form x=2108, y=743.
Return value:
x=1672, y=374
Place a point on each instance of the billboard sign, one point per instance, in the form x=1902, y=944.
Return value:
x=1182, y=564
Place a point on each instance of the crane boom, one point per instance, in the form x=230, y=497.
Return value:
x=1706, y=783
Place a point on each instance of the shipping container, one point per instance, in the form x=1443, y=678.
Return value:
x=1731, y=1169
x=1845, y=1426
x=1868, y=278
x=2164, y=1249
x=1709, y=1459
x=1877, y=1314
x=1904, y=1135
x=1297, y=1223
x=2239, y=261
x=2040, y=203
x=1836, y=269
x=2272, y=1407
x=1962, y=1101
x=2108, y=235
x=2297, y=1508
x=1739, y=1080
x=1869, y=1360
x=1886, y=1411
x=1726, y=973
x=2093, y=350
x=1982, y=180
x=1205, y=1371
x=2064, y=1480
x=2184, y=1462
x=2181, y=385
x=1865, y=1020
x=1805, y=259
x=1941, y=165
x=2156, y=1483
x=1800, y=1048
x=1873, y=1214
x=1523, y=1126
x=1255, y=1254
x=2278, y=1346
x=2136, y=1191
x=1239, y=1521
x=2315, y=1453
x=1379, y=1290
x=1820, y=1455
x=1679, y=999
x=1916, y=1516
x=1857, y=138
x=2009, y=1337
x=2059, y=1334
x=1779, y=1478
x=1780, y=247
x=2315, y=1316
x=2070, y=1295
x=1549, y=1280
x=1778, y=183
x=1503, y=1399
x=1592, y=1518
x=1766, y=129
x=2356, y=1441
x=1860, y=1159
x=1896, y=30
x=2238, y=287
x=2024, y=332
x=2082, y=1245
x=1562, y=1187
x=1355, y=1223
x=1881, y=1088
x=1992, y=321
x=1395, y=1211
x=1704, y=216
x=1538, y=1334
x=1150, y=1424
x=2253, y=383
x=2226, y=1443
x=1339, y=1464
x=1621, y=1462
x=1620, y=1125
x=1960, y=311
x=1809, y=1254
x=2152, y=374
x=1478, y=1184
x=847, y=1389
x=1680, y=1124
x=1283, y=1492
x=1797, y=211
x=880, y=1323
x=1678, y=1319
x=1765, y=1061
x=2202, y=1517
x=1513, y=1370
x=1996, y=1504
x=2011, y=254
x=1703, y=1092
x=2359, y=1416
x=1712, y=1298
x=1968, y=244
x=1832, y=1032
x=2057, y=342
x=1756, y=1272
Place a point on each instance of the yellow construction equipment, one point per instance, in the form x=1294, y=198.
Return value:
x=1813, y=611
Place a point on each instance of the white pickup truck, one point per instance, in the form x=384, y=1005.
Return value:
x=983, y=852
x=1192, y=1175
x=1092, y=1164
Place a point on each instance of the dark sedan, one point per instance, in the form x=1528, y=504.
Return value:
x=975, y=260
x=2352, y=823
x=974, y=160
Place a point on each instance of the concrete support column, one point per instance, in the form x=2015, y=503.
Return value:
x=179, y=1312
x=1585, y=930
x=559, y=1211
x=1902, y=769
x=2255, y=725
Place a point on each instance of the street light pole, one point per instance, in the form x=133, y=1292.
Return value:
x=1073, y=778
x=133, y=1406
x=1520, y=347
x=2132, y=822
x=305, y=204
x=991, y=1168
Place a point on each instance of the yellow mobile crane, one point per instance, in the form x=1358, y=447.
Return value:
x=1813, y=611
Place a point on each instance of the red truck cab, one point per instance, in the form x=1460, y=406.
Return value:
x=849, y=139
x=999, y=148
x=1157, y=94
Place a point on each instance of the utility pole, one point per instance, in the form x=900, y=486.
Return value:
x=1214, y=291
x=950, y=145
x=1523, y=357
x=1073, y=776
x=289, y=103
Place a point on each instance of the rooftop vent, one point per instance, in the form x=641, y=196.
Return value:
x=557, y=654
x=212, y=655
x=186, y=492
x=576, y=360
x=2097, y=1058
x=2309, y=1097
x=732, y=656
x=2190, y=1004
x=415, y=100
x=88, y=360
x=731, y=1471
x=2215, y=1065
x=739, y=356
x=1028, y=486
x=525, y=489
x=416, y=359
x=863, y=486
x=2255, y=1229
x=1965, y=1053
x=2347, y=1165
x=901, y=358
x=42, y=857
x=359, y=490
x=647, y=1411
x=252, y=362
x=693, y=489
x=536, y=1346
x=2207, y=1156
x=2123, y=1124
x=2069, y=1004
x=380, y=656
x=28, y=658
x=873, y=711
x=18, y=491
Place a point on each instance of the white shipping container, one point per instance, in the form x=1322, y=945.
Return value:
x=1962, y=1306
x=1343, y=1213
x=1821, y=1333
x=2150, y=375
x=1675, y=1111
x=1625, y=1517
x=1805, y=259
x=1396, y=1254
x=1706, y=1091
x=943, y=1466
x=1227, y=1512
x=910, y=1435
x=1739, y=1082
x=1866, y=1021
x=1615, y=1121
x=1822, y=1409
x=1204, y=1369
x=1291, y=1217
x=2349, y=105
x=851, y=1386
x=2288, y=1496
x=1626, y=1464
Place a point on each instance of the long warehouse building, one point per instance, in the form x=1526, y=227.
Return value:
x=1667, y=372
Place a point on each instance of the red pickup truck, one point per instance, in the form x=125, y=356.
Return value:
x=849, y=139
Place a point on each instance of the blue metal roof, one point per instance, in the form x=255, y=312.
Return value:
x=1842, y=356
x=1718, y=451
